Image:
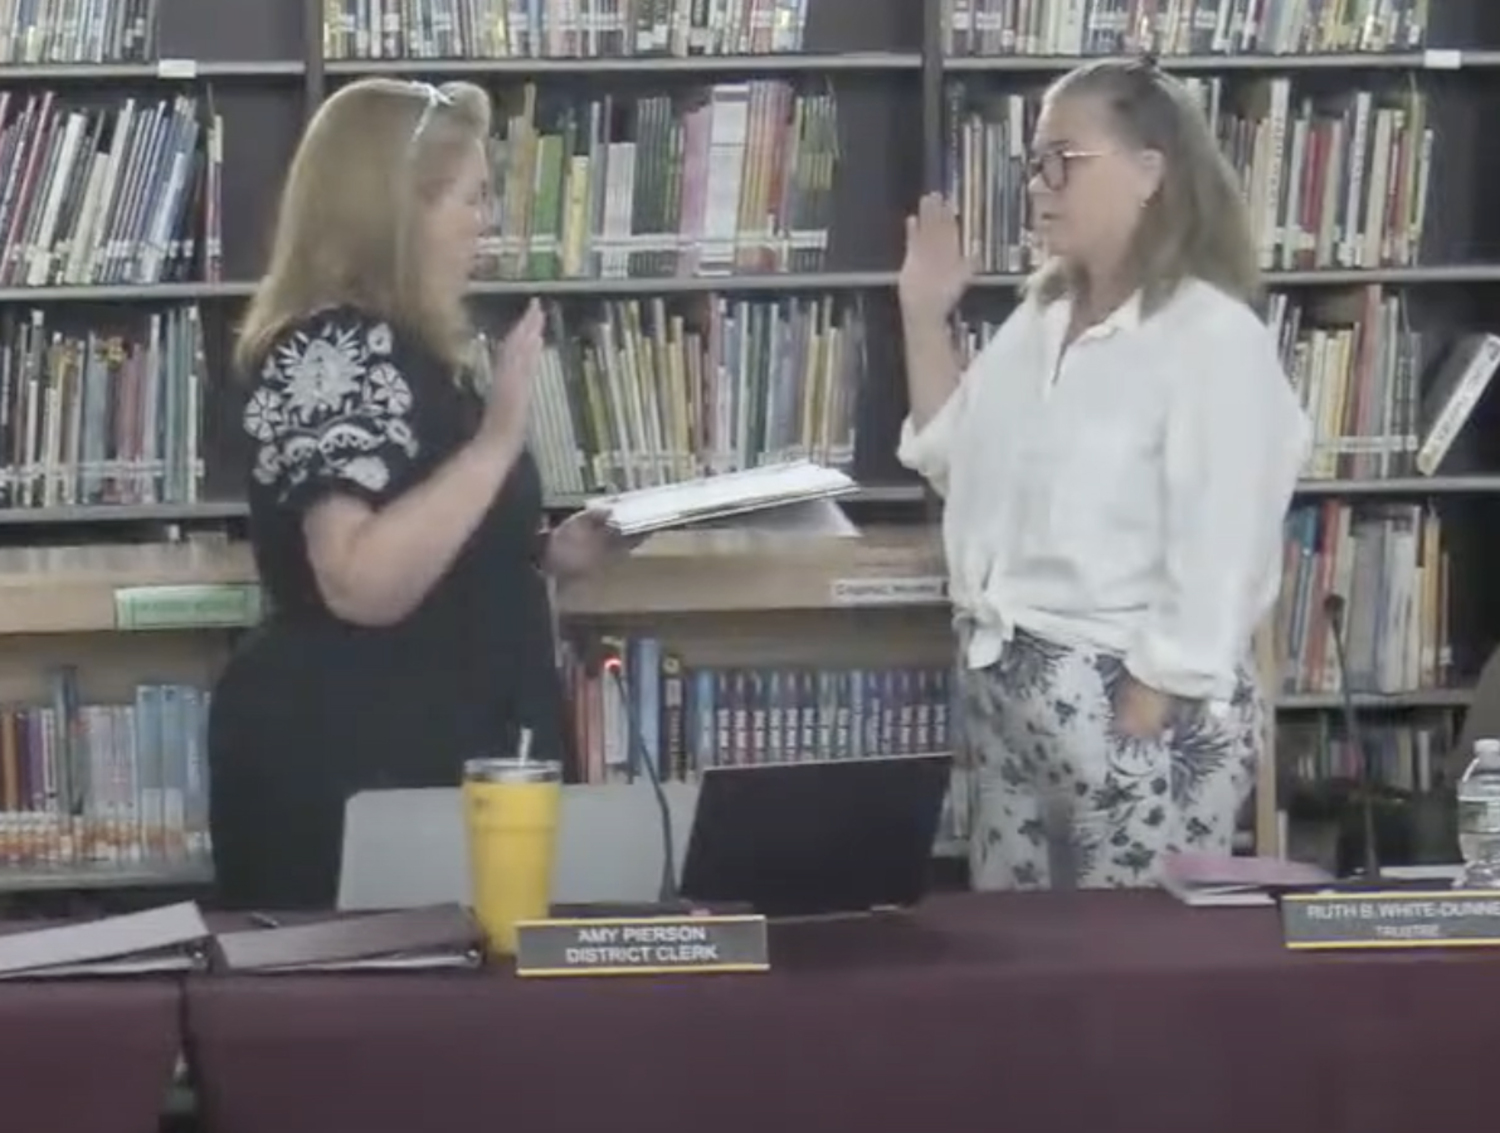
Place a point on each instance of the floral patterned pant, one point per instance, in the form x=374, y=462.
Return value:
x=1057, y=796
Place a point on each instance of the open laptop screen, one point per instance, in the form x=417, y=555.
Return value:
x=830, y=836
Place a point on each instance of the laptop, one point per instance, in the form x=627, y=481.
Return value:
x=824, y=837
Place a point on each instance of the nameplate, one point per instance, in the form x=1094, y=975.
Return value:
x=203, y=606
x=1447, y=919
x=631, y=946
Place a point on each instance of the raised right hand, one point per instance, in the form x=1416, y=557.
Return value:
x=935, y=271
x=513, y=377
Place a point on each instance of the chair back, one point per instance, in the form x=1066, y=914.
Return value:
x=408, y=848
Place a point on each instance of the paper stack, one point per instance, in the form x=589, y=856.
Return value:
x=647, y=510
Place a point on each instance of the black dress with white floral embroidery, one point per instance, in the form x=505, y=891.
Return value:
x=312, y=709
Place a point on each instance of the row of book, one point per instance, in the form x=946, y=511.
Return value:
x=1390, y=565
x=36, y=32
x=735, y=178
x=127, y=194
x=643, y=392
x=559, y=29
x=1340, y=181
x=98, y=31
x=1181, y=27
x=101, y=417
x=689, y=718
x=115, y=784
x=1358, y=366
x=1406, y=756
x=644, y=397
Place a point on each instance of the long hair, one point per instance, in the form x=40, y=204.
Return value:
x=1197, y=225
x=347, y=233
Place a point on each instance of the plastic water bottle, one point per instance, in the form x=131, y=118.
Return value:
x=1479, y=818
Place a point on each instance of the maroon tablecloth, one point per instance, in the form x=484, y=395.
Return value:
x=1038, y=1013
x=92, y=1056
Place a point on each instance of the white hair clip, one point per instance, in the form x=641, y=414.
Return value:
x=435, y=97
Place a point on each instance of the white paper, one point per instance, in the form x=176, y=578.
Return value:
x=714, y=497
x=823, y=518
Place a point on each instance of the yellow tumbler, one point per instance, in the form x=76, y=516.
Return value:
x=511, y=813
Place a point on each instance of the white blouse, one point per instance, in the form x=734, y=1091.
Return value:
x=1125, y=494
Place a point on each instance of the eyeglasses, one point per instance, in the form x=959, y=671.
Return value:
x=1052, y=166
x=436, y=97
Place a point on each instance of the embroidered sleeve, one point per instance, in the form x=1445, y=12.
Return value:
x=331, y=413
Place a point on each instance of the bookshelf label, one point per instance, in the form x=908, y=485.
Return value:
x=1404, y=919
x=212, y=606
x=177, y=69
x=639, y=946
x=925, y=590
x=1439, y=59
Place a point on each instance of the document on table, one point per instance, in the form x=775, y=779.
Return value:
x=434, y=937
x=646, y=510
x=166, y=939
x=1225, y=881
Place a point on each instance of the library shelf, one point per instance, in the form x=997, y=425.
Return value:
x=206, y=511
x=163, y=70
x=583, y=286
x=104, y=875
x=729, y=571
x=1398, y=486
x=1431, y=59
x=1456, y=697
x=1416, y=276
x=757, y=282
x=786, y=281
x=209, y=511
x=1395, y=487
x=142, y=293
x=76, y=590
x=730, y=65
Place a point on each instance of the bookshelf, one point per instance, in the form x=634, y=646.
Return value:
x=890, y=84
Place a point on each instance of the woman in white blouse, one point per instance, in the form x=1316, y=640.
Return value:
x=1116, y=464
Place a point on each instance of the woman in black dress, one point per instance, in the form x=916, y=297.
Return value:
x=395, y=515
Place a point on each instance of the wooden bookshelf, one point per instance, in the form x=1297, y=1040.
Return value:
x=721, y=572
x=65, y=590
x=72, y=590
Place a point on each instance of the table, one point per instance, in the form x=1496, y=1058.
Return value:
x=88, y=1056
x=1037, y=1013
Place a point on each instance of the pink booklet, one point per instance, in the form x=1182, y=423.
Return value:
x=1227, y=880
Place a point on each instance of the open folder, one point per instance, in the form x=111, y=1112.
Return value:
x=439, y=936
x=172, y=938
x=646, y=510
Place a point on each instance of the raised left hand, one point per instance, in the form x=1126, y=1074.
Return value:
x=1141, y=712
x=583, y=543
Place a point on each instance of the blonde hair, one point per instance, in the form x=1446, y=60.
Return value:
x=346, y=231
x=1197, y=224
